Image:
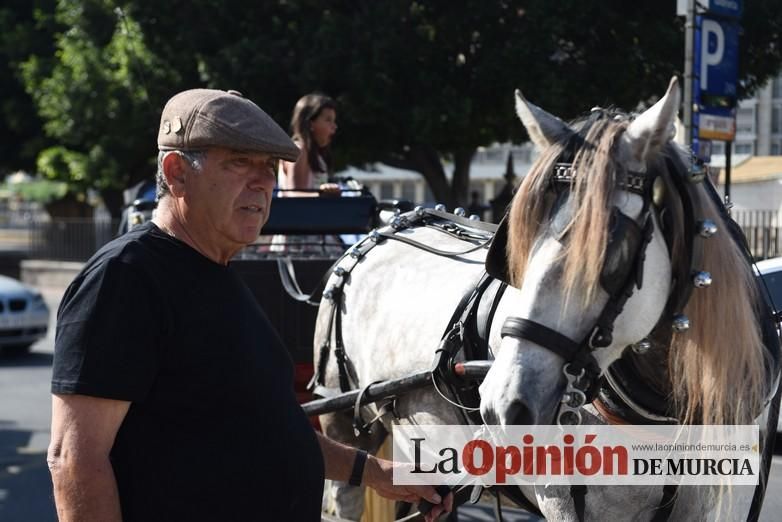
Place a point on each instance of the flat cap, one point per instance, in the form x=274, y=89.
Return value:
x=201, y=118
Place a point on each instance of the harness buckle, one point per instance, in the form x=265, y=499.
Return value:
x=597, y=339
x=573, y=399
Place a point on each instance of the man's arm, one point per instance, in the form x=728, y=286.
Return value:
x=83, y=432
x=378, y=474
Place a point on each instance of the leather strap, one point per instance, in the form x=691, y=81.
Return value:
x=358, y=468
x=541, y=335
x=291, y=285
x=667, y=502
x=432, y=250
x=359, y=427
x=578, y=494
x=478, y=225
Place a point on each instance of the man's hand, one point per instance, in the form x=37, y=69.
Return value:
x=379, y=473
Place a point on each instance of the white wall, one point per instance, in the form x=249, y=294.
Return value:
x=759, y=195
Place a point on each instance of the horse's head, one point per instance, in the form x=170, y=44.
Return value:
x=587, y=251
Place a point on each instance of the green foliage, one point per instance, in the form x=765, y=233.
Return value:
x=41, y=191
x=64, y=165
x=25, y=29
x=93, y=96
x=418, y=83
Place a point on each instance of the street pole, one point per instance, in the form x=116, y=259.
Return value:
x=689, y=46
x=728, y=161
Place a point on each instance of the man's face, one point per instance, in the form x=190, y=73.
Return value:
x=229, y=200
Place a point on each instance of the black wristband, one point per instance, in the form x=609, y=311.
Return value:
x=358, y=468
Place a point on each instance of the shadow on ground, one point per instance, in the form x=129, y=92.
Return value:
x=10, y=360
x=25, y=486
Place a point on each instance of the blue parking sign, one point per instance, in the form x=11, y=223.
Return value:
x=726, y=8
x=718, y=57
x=715, y=79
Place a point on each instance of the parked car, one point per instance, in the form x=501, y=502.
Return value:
x=771, y=272
x=24, y=316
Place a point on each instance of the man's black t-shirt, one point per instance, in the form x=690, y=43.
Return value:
x=214, y=431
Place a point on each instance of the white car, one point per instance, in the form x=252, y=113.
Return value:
x=24, y=316
x=771, y=271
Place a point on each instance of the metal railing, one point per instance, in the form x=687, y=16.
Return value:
x=77, y=239
x=761, y=228
x=71, y=239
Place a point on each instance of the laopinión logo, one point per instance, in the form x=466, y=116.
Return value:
x=611, y=455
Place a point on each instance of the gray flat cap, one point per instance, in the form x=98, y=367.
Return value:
x=201, y=118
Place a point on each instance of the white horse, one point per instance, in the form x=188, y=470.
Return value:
x=569, y=262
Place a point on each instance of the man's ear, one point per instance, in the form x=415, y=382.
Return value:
x=174, y=170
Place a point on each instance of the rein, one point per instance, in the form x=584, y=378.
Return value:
x=453, y=341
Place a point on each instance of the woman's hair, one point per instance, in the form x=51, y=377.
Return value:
x=307, y=109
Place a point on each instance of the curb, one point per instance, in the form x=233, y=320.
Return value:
x=42, y=273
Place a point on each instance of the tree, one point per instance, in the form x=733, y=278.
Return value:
x=423, y=82
x=25, y=28
x=93, y=95
x=420, y=85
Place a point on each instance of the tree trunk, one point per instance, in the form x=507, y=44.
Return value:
x=425, y=160
x=69, y=206
x=460, y=184
x=428, y=163
x=112, y=198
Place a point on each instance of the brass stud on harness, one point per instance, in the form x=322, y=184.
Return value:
x=355, y=252
x=475, y=217
x=328, y=294
x=642, y=347
x=459, y=211
x=701, y=279
x=707, y=228
x=419, y=211
x=375, y=235
x=681, y=323
x=339, y=271
x=439, y=207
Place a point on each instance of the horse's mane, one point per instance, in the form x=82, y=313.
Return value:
x=716, y=369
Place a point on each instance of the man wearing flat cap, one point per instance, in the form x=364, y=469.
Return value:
x=172, y=394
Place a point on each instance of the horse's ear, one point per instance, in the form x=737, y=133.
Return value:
x=543, y=128
x=656, y=126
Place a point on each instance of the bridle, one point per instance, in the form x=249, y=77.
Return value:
x=625, y=253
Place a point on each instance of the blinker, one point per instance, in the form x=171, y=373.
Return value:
x=707, y=228
x=701, y=279
x=681, y=323
x=642, y=346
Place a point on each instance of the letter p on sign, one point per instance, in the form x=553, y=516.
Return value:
x=711, y=33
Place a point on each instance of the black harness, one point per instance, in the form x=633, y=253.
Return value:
x=621, y=275
x=623, y=389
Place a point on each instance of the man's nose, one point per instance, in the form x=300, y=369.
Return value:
x=262, y=179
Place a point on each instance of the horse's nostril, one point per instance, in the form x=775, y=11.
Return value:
x=518, y=413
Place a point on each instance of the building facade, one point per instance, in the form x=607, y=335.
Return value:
x=758, y=123
x=486, y=175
